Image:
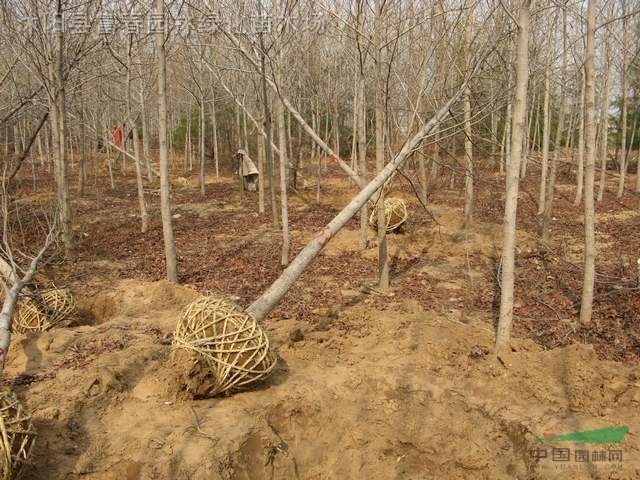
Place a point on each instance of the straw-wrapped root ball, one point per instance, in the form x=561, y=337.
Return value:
x=221, y=348
x=395, y=214
x=48, y=309
x=17, y=436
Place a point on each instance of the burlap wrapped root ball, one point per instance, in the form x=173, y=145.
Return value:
x=17, y=436
x=44, y=310
x=395, y=214
x=221, y=348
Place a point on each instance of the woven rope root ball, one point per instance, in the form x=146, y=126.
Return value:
x=17, y=435
x=38, y=313
x=395, y=214
x=226, y=348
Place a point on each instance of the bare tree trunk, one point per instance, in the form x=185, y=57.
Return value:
x=546, y=133
x=507, y=276
x=551, y=183
x=314, y=127
x=282, y=140
x=435, y=161
x=214, y=125
x=265, y=303
x=590, y=152
x=507, y=146
x=468, y=154
x=40, y=148
x=202, y=144
x=355, y=121
x=16, y=140
x=245, y=137
x=62, y=181
x=580, y=159
x=136, y=147
x=260, y=144
x=362, y=157
x=468, y=145
x=165, y=182
x=146, y=151
x=82, y=172
x=269, y=131
x=336, y=126
x=604, y=113
x=188, y=157
x=380, y=96
x=623, y=112
x=527, y=137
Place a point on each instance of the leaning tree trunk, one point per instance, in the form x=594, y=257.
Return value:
x=507, y=276
x=590, y=153
x=165, y=182
x=267, y=301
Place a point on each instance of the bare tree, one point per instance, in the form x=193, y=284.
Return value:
x=507, y=276
x=165, y=183
x=590, y=154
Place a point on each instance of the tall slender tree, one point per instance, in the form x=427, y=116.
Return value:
x=165, y=182
x=586, y=305
x=507, y=275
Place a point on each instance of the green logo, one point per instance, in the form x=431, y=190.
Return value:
x=602, y=435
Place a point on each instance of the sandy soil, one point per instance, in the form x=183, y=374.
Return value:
x=398, y=394
x=380, y=385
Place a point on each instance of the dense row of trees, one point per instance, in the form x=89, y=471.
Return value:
x=454, y=88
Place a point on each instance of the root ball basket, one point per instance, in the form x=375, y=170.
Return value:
x=48, y=309
x=227, y=342
x=395, y=214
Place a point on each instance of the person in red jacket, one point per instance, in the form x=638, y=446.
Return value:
x=117, y=135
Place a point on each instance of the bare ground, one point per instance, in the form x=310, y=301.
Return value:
x=370, y=384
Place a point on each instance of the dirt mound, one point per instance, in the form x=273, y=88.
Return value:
x=402, y=394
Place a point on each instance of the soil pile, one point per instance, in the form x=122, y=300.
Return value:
x=402, y=393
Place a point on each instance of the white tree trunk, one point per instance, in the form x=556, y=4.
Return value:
x=590, y=153
x=623, y=112
x=165, y=182
x=507, y=276
x=580, y=159
x=546, y=133
x=282, y=140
